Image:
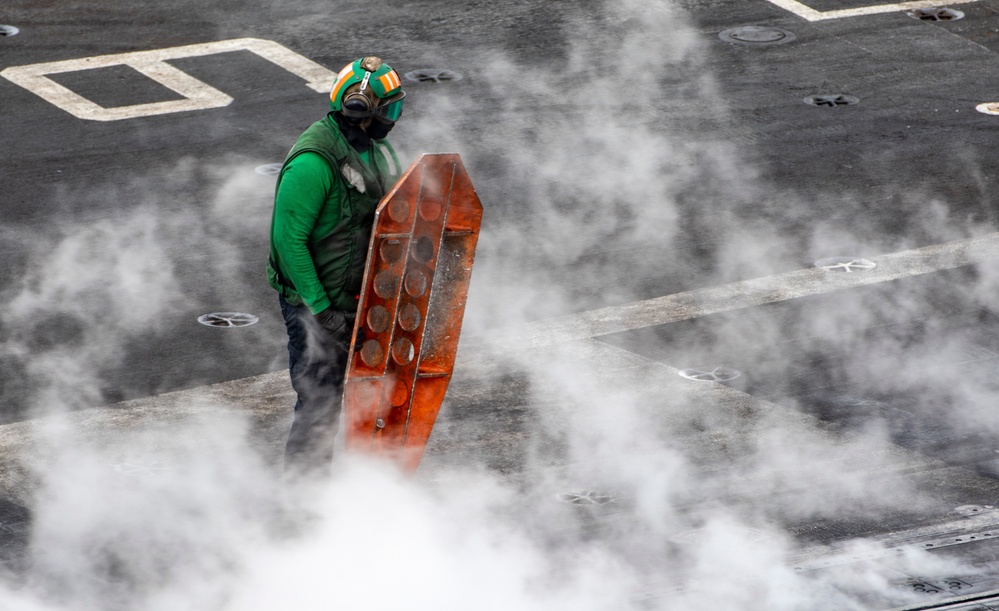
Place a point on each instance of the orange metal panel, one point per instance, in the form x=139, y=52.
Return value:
x=410, y=309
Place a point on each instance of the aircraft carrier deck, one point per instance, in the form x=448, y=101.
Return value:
x=732, y=339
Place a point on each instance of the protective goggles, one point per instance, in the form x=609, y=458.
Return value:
x=388, y=110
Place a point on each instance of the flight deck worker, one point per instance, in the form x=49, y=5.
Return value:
x=324, y=205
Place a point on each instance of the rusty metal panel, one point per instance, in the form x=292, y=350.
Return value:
x=410, y=309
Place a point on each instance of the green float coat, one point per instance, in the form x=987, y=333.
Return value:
x=321, y=225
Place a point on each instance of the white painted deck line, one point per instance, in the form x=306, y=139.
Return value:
x=755, y=292
x=688, y=305
x=806, y=12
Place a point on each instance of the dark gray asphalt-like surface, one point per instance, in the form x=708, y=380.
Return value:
x=869, y=171
x=618, y=159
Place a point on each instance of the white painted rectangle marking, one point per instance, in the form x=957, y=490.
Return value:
x=806, y=12
x=197, y=94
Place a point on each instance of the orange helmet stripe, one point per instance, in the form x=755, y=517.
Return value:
x=341, y=79
x=390, y=80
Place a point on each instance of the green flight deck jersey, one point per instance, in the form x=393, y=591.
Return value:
x=324, y=207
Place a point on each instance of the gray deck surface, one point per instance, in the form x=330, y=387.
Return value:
x=724, y=349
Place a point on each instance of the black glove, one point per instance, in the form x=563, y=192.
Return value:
x=337, y=323
x=362, y=336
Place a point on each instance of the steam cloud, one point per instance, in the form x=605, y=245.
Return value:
x=586, y=172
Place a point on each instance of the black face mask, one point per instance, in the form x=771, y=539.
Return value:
x=356, y=136
x=378, y=130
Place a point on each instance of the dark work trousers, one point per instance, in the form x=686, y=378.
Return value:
x=317, y=362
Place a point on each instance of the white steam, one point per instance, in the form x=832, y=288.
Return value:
x=590, y=174
x=101, y=281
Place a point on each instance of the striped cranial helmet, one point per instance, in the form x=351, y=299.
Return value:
x=351, y=94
